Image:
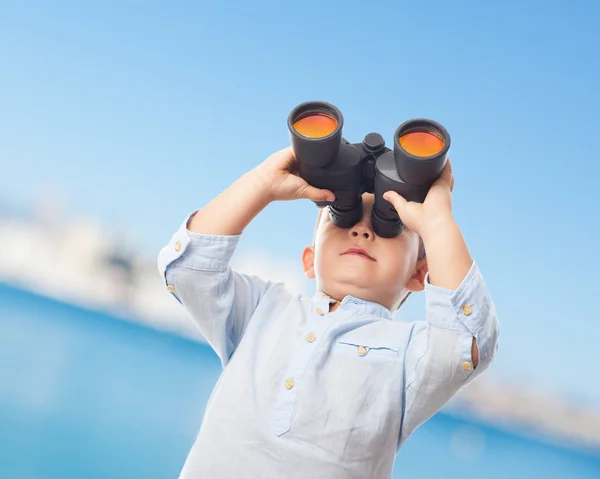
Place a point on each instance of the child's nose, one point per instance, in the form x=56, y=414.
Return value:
x=361, y=229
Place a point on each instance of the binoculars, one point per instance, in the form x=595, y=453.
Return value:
x=327, y=161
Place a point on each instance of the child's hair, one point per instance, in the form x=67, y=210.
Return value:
x=422, y=253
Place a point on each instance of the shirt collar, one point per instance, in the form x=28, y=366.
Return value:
x=357, y=305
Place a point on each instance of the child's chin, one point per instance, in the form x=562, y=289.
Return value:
x=362, y=278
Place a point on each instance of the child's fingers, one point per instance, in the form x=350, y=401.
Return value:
x=283, y=159
x=316, y=194
x=446, y=178
x=446, y=174
x=396, y=200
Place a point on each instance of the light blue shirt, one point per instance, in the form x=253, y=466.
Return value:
x=308, y=393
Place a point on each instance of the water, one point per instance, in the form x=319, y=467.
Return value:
x=84, y=395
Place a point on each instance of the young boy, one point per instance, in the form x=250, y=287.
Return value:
x=329, y=386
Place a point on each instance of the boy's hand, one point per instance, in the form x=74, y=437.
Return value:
x=274, y=179
x=419, y=217
x=282, y=183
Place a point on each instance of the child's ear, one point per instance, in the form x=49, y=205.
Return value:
x=308, y=262
x=417, y=280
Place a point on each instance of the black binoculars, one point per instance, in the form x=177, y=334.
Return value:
x=326, y=160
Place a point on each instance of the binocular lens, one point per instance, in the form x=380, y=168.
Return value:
x=316, y=133
x=421, y=143
x=317, y=125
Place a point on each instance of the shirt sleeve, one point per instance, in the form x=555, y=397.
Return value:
x=196, y=271
x=438, y=358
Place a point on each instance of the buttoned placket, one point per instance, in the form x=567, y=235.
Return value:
x=314, y=330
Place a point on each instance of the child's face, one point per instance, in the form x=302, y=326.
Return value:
x=389, y=268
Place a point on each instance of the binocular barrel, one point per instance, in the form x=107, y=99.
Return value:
x=316, y=132
x=326, y=160
x=420, y=151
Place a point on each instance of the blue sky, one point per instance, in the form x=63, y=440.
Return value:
x=141, y=112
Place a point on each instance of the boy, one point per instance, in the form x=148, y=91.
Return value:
x=328, y=386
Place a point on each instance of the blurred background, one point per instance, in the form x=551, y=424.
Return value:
x=118, y=119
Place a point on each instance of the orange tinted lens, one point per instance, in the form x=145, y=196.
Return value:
x=421, y=143
x=316, y=126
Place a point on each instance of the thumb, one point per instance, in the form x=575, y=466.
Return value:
x=396, y=200
x=316, y=194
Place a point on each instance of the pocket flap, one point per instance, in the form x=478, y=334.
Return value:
x=363, y=349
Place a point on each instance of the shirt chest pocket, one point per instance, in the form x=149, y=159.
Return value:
x=367, y=350
x=365, y=366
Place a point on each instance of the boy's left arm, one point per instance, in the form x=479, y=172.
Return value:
x=456, y=344
x=459, y=339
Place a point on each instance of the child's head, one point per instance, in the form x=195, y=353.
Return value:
x=388, y=271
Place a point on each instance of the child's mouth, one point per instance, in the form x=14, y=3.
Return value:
x=359, y=252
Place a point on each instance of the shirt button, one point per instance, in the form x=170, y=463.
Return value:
x=310, y=337
x=177, y=246
x=362, y=350
x=289, y=384
x=467, y=310
x=171, y=288
x=466, y=365
x=319, y=311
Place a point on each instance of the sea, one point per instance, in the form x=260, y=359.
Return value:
x=87, y=395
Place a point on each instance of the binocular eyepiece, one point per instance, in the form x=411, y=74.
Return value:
x=326, y=160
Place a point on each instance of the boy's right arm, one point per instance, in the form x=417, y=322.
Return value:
x=195, y=264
